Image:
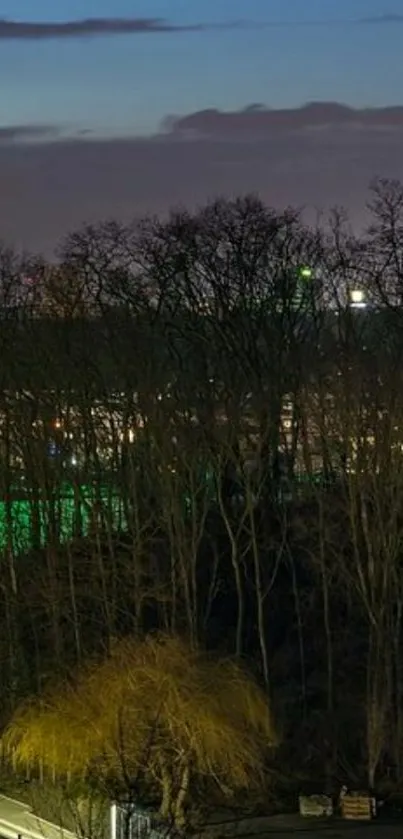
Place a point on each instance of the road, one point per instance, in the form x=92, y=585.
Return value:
x=285, y=827
x=374, y=830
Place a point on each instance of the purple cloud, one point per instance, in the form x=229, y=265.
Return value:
x=257, y=121
x=317, y=156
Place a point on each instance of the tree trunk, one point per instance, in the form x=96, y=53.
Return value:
x=236, y=565
x=260, y=596
x=166, y=801
x=301, y=645
x=331, y=759
x=179, y=804
x=398, y=692
x=377, y=703
x=74, y=609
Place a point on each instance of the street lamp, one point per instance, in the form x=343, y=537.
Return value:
x=357, y=299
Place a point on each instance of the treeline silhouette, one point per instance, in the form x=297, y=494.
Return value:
x=202, y=433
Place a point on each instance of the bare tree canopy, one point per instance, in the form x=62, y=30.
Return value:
x=201, y=444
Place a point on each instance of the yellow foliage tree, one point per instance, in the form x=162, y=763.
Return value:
x=158, y=707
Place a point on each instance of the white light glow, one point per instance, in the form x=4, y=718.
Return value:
x=113, y=821
x=357, y=298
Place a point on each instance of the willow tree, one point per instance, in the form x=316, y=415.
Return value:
x=158, y=709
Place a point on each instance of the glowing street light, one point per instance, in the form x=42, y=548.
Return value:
x=357, y=299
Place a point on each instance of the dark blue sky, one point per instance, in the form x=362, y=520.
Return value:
x=321, y=50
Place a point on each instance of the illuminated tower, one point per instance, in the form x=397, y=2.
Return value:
x=305, y=287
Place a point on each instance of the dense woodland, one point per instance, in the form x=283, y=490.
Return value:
x=227, y=430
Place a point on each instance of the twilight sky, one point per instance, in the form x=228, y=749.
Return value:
x=119, y=107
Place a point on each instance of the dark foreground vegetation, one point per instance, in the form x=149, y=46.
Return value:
x=201, y=445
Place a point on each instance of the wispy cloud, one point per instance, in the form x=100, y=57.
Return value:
x=381, y=19
x=255, y=122
x=101, y=27
x=375, y=20
x=27, y=133
x=32, y=31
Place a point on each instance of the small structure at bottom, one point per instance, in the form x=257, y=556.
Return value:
x=357, y=806
x=315, y=806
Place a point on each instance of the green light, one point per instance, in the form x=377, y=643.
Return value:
x=16, y=516
x=306, y=273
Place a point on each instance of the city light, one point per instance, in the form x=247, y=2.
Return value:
x=357, y=299
x=305, y=272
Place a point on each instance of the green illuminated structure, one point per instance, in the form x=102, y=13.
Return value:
x=71, y=510
x=305, y=273
x=304, y=285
